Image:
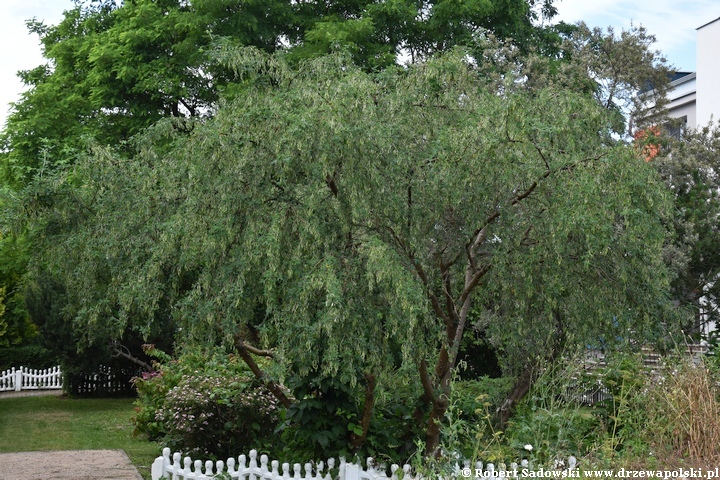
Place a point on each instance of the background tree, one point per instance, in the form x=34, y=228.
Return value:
x=689, y=165
x=116, y=68
x=377, y=34
x=619, y=69
x=15, y=324
x=353, y=223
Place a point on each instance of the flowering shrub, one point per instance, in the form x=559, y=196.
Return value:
x=218, y=416
x=152, y=388
x=205, y=402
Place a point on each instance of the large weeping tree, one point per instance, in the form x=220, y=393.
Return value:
x=352, y=224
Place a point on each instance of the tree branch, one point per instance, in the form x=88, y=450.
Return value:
x=471, y=282
x=423, y=277
x=330, y=181
x=259, y=352
x=447, y=291
x=426, y=381
x=189, y=108
x=120, y=350
x=244, y=353
x=428, y=393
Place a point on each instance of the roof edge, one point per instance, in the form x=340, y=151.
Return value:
x=708, y=23
x=684, y=78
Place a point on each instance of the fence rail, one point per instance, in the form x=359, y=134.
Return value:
x=244, y=468
x=23, y=378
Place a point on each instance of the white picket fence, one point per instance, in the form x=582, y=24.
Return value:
x=179, y=468
x=24, y=378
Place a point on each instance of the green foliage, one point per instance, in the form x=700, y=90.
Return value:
x=688, y=165
x=472, y=397
x=113, y=69
x=664, y=417
x=620, y=65
x=627, y=380
x=29, y=355
x=323, y=417
x=375, y=33
x=15, y=325
x=552, y=419
x=393, y=429
x=356, y=223
x=326, y=413
x=469, y=427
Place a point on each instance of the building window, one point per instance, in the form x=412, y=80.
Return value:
x=676, y=127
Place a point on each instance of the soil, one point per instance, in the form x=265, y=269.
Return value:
x=68, y=465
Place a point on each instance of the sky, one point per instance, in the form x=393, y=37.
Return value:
x=673, y=22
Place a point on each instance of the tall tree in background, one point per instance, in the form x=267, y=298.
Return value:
x=114, y=70
x=377, y=34
x=690, y=166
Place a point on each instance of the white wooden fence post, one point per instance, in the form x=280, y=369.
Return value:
x=18, y=379
x=351, y=471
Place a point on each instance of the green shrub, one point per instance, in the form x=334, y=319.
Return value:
x=472, y=397
x=219, y=417
x=551, y=423
x=31, y=356
x=322, y=419
x=668, y=417
x=326, y=417
x=152, y=390
x=672, y=417
x=625, y=412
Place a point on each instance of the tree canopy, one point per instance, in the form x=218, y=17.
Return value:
x=689, y=165
x=204, y=172
x=358, y=223
x=116, y=68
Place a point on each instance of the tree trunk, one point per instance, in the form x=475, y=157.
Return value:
x=356, y=441
x=440, y=402
x=432, y=436
x=527, y=378
x=519, y=391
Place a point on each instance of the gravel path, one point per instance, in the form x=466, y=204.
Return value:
x=68, y=465
x=32, y=393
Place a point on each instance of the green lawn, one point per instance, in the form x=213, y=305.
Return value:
x=59, y=423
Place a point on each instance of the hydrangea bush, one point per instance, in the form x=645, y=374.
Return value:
x=207, y=403
x=218, y=416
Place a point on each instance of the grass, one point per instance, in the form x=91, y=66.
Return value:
x=60, y=423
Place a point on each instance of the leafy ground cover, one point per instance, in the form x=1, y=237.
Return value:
x=60, y=423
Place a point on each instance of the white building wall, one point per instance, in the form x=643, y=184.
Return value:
x=682, y=100
x=708, y=73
